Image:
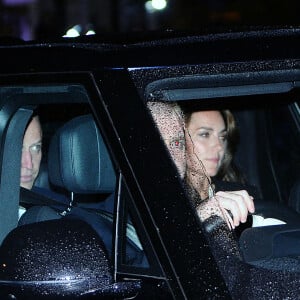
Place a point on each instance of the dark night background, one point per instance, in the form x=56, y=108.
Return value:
x=38, y=19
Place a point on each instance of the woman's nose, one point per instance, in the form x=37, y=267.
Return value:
x=217, y=144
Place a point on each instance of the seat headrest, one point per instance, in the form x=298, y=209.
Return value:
x=294, y=198
x=78, y=159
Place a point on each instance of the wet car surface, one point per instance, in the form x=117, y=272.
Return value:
x=124, y=224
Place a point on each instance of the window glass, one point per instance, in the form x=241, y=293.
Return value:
x=135, y=249
x=202, y=141
x=66, y=170
x=74, y=176
x=285, y=145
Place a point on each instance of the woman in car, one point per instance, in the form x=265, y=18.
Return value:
x=170, y=122
x=214, y=131
x=211, y=139
x=245, y=281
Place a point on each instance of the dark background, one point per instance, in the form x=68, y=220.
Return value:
x=38, y=19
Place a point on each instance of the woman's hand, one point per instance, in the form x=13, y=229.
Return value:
x=232, y=206
x=235, y=206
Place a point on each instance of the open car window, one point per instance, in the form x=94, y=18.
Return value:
x=77, y=179
x=265, y=154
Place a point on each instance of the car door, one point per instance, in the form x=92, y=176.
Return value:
x=132, y=229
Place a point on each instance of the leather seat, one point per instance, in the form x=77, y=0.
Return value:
x=79, y=163
x=78, y=160
x=294, y=198
x=42, y=180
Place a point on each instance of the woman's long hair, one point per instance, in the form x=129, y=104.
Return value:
x=228, y=171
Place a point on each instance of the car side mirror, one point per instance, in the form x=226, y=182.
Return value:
x=58, y=258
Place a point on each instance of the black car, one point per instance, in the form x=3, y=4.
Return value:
x=124, y=226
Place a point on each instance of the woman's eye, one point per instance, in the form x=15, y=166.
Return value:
x=178, y=143
x=204, y=134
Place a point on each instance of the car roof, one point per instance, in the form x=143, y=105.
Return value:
x=161, y=48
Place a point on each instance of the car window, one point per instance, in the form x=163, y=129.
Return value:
x=77, y=179
x=267, y=153
x=135, y=249
x=285, y=142
x=267, y=135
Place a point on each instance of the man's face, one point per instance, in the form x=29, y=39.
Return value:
x=31, y=153
x=170, y=125
x=173, y=135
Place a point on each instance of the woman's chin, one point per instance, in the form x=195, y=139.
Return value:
x=212, y=172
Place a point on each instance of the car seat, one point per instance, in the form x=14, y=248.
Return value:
x=246, y=157
x=78, y=159
x=78, y=162
x=294, y=198
x=42, y=180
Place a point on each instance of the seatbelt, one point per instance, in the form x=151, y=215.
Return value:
x=10, y=171
x=32, y=198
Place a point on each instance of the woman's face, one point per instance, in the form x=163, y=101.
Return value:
x=207, y=142
x=172, y=132
x=170, y=125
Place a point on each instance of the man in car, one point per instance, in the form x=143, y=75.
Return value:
x=31, y=153
x=30, y=167
x=31, y=156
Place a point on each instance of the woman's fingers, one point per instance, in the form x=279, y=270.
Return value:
x=227, y=218
x=239, y=203
x=226, y=202
x=246, y=198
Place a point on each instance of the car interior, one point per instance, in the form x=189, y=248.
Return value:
x=267, y=116
x=77, y=180
x=79, y=163
x=263, y=136
x=82, y=182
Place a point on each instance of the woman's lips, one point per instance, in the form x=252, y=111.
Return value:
x=213, y=160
